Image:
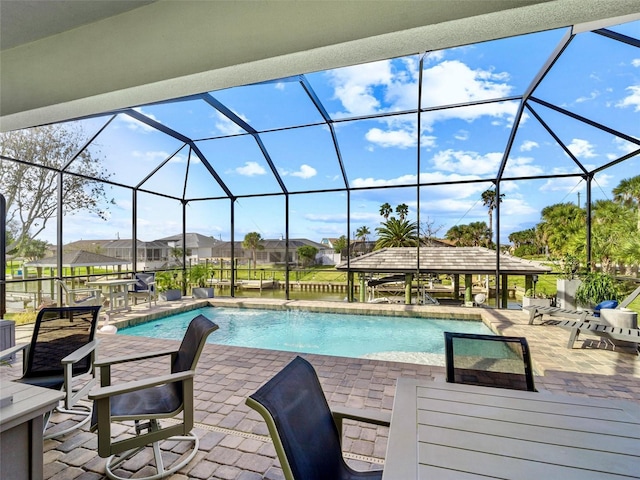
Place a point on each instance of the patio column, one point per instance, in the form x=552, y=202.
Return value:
x=456, y=286
x=468, y=288
x=504, y=291
x=363, y=288
x=408, y=277
x=350, y=287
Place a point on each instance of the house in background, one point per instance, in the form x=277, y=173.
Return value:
x=151, y=255
x=198, y=247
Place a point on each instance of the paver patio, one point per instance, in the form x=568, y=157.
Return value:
x=234, y=439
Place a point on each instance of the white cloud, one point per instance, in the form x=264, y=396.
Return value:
x=451, y=82
x=157, y=156
x=635, y=62
x=462, y=162
x=354, y=86
x=391, y=138
x=227, y=127
x=135, y=125
x=305, y=171
x=632, y=100
x=382, y=182
x=581, y=148
x=462, y=135
x=251, y=169
x=528, y=145
x=566, y=185
x=592, y=96
x=522, y=167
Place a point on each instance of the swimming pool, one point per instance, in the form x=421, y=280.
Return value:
x=415, y=340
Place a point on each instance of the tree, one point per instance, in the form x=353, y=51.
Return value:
x=428, y=231
x=402, y=210
x=361, y=234
x=307, y=253
x=176, y=254
x=385, y=210
x=31, y=192
x=397, y=233
x=560, y=222
x=628, y=193
x=525, y=242
x=473, y=235
x=33, y=249
x=252, y=243
x=340, y=245
x=490, y=201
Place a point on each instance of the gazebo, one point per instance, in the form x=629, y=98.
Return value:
x=467, y=261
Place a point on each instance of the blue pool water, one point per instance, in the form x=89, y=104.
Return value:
x=417, y=340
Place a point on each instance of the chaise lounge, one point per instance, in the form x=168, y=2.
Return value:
x=581, y=315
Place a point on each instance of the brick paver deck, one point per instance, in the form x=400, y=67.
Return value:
x=234, y=439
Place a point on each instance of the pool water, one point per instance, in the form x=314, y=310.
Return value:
x=416, y=340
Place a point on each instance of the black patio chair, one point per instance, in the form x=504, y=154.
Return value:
x=305, y=433
x=489, y=360
x=147, y=401
x=60, y=356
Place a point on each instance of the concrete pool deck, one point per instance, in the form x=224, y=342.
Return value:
x=234, y=439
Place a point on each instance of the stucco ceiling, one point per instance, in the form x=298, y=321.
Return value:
x=72, y=58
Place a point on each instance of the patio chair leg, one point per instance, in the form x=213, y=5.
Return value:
x=575, y=332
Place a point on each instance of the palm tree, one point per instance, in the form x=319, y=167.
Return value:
x=489, y=200
x=559, y=223
x=385, y=210
x=402, y=210
x=397, y=233
x=628, y=193
x=252, y=242
x=361, y=234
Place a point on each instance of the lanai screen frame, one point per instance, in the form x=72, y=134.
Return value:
x=528, y=103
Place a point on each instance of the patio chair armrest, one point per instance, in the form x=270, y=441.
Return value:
x=133, y=358
x=80, y=353
x=13, y=350
x=104, y=392
x=373, y=417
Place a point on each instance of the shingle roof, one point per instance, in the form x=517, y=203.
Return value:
x=193, y=240
x=464, y=260
x=78, y=258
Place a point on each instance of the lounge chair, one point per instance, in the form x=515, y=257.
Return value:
x=581, y=315
x=60, y=357
x=145, y=288
x=305, y=433
x=81, y=296
x=147, y=401
x=488, y=360
x=605, y=331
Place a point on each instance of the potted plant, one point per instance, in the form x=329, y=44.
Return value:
x=538, y=299
x=169, y=287
x=596, y=287
x=568, y=282
x=198, y=275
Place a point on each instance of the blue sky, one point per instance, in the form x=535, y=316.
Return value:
x=596, y=77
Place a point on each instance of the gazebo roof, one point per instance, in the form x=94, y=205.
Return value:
x=458, y=260
x=78, y=258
